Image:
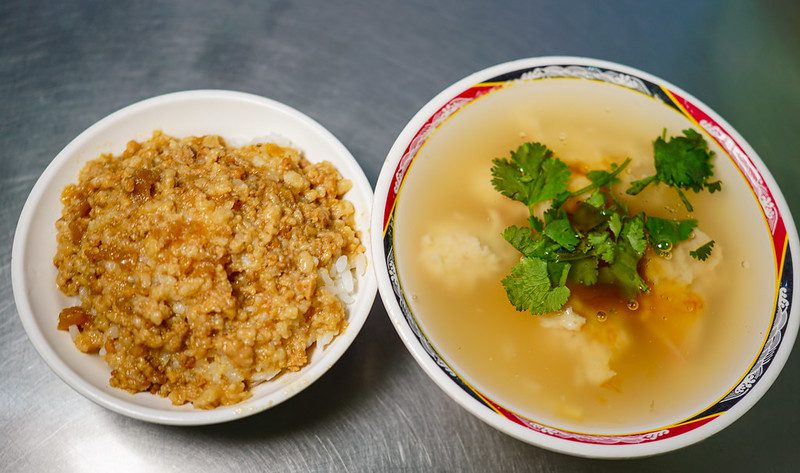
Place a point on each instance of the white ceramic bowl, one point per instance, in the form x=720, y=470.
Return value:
x=776, y=332
x=233, y=115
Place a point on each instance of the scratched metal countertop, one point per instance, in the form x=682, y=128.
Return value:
x=362, y=69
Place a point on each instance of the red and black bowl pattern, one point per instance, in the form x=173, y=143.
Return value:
x=719, y=132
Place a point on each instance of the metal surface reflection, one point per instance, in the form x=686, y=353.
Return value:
x=362, y=70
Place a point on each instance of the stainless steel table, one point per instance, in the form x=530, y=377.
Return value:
x=362, y=69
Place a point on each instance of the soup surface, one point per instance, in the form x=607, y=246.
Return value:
x=605, y=366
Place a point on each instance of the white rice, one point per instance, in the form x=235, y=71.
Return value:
x=361, y=264
x=324, y=339
x=342, y=282
x=102, y=351
x=347, y=281
x=340, y=265
x=326, y=279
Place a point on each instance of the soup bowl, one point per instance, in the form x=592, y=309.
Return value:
x=467, y=112
x=238, y=118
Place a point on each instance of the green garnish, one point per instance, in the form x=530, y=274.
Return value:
x=624, y=272
x=529, y=287
x=633, y=232
x=598, y=241
x=532, y=175
x=702, y=253
x=682, y=162
x=561, y=232
x=665, y=234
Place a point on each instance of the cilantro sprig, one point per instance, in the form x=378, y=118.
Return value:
x=682, y=162
x=529, y=287
x=597, y=241
x=531, y=176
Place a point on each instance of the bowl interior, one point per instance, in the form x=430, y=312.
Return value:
x=239, y=118
x=465, y=119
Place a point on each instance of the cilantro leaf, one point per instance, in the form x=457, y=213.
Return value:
x=554, y=213
x=703, y=252
x=586, y=217
x=633, y=233
x=532, y=174
x=664, y=234
x=584, y=271
x=558, y=272
x=520, y=238
x=601, y=178
x=536, y=223
x=602, y=245
x=615, y=224
x=507, y=179
x=561, y=232
x=682, y=162
x=623, y=272
x=529, y=288
x=597, y=200
x=533, y=246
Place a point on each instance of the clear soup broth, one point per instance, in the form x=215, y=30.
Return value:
x=625, y=370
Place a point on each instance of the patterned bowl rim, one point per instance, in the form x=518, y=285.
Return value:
x=733, y=404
